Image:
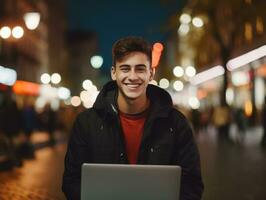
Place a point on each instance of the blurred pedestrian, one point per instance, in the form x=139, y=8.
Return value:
x=29, y=117
x=241, y=123
x=48, y=122
x=195, y=119
x=221, y=120
x=11, y=125
x=6, y=161
x=205, y=119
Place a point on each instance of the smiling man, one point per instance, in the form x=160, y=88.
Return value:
x=133, y=122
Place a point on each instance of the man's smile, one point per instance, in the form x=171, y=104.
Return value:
x=132, y=85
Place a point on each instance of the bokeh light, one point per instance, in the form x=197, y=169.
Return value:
x=75, y=101
x=164, y=83
x=178, y=85
x=178, y=71
x=17, y=32
x=5, y=32
x=45, y=78
x=96, y=61
x=55, y=78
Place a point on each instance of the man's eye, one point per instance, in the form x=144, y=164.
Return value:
x=124, y=69
x=141, y=69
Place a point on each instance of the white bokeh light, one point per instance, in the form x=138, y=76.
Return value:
x=194, y=102
x=87, y=84
x=197, y=22
x=178, y=71
x=207, y=75
x=96, y=61
x=17, y=32
x=185, y=18
x=246, y=58
x=84, y=95
x=48, y=92
x=178, y=85
x=229, y=96
x=55, y=104
x=45, y=78
x=55, y=78
x=32, y=20
x=5, y=32
x=75, y=101
x=183, y=29
x=240, y=78
x=40, y=103
x=7, y=76
x=93, y=88
x=87, y=104
x=164, y=83
x=260, y=92
x=63, y=93
x=190, y=71
x=67, y=102
x=88, y=97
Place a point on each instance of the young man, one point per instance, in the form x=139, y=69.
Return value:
x=133, y=122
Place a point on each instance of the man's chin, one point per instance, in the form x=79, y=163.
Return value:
x=131, y=96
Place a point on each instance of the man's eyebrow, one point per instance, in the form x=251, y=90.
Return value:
x=141, y=66
x=123, y=65
x=138, y=65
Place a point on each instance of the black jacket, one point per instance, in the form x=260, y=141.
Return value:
x=167, y=140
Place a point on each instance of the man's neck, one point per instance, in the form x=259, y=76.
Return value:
x=132, y=106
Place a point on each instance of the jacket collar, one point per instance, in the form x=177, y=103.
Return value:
x=106, y=102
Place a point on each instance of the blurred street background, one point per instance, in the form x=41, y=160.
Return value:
x=210, y=55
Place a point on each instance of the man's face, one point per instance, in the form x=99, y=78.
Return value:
x=132, y=75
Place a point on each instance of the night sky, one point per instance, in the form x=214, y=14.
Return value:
x=112, y=19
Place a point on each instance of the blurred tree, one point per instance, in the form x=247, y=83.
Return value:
x=230, y=26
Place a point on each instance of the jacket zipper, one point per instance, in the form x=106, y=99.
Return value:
x=121, y=154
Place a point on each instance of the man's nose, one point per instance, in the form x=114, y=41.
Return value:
x=132, y=75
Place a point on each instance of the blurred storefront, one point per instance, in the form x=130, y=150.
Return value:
x=25, y=51
x=31, y=42
x=227, y=51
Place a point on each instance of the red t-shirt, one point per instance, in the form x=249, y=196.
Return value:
x=132, y=126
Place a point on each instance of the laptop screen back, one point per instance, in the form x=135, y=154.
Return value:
x=130, y=182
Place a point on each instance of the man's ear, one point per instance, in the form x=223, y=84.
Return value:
x=113, y=73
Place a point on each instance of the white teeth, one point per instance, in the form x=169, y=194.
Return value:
x=132, y=85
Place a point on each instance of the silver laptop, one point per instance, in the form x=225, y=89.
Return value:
x=130, y=182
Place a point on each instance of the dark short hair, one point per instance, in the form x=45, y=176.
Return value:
x=127, y=45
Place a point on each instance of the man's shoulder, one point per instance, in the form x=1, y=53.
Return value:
x=87, y=120
x=177, y=114
x=179, y=119
x=87, y=114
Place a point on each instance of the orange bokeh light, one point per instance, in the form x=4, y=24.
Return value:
x=26, y=88
x=158, y=47
x=156, y=54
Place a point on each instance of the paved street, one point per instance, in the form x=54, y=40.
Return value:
x=38, y=179
x=233, y=172
x=230, y=171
